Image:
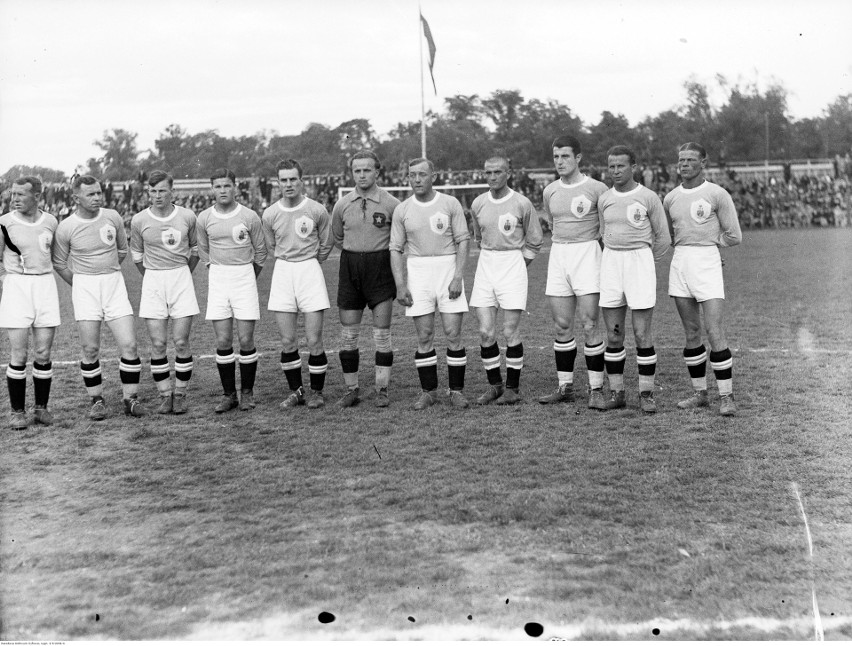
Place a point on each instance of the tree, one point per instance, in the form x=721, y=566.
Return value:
x=743, y=123
x=355, y=135
x=463, y=107
x=119, y=160
x=46, y=174
x=836, y=126
x=611, y=130
x=502, y=108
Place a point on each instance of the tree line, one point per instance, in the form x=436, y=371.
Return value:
x=470, y=128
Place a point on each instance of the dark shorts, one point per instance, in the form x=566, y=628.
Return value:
x=365, y=280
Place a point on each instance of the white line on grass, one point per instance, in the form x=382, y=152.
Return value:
x=818, y=631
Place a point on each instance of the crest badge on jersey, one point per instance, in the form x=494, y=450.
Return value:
x=379, y=219
x=506, y=224
x=170, y=237
x=581, y=205
x=44, y=240
x=700, y=210
x=240, y=234
x=303, y=225
x=637, y=215
x=439, y=223
x=107, y=233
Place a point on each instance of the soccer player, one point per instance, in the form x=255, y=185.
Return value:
x=635, y=235
x=29, y=299
x=703, y=218
x=431, y=229
x=231, y=244
x=88, y=248
x=509, y=234
x=360, y=225
x=298, y=234
x=573, y=270
x=165, y=249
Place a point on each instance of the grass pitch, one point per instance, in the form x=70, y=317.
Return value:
x=488, y=523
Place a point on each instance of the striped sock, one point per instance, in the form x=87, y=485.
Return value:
x=248, y=369
x=514, y=365
x=225, y=361
x=291, y=364
x=595, y=364
x=614, y=359
x=349, y=360
x=161, y=374
x=42, y=378
x=427, y=369
x=384, y=356
x=696, y=362
x=16, y=380
x=183, y=373
x=646, y=360
x=566, y=354
x=456, y=364
x=722, y=363
x=129, y=371
x=92, y=378
x=491, y=362
x=317, y=366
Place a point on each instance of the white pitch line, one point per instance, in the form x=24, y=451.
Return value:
x=819, y=634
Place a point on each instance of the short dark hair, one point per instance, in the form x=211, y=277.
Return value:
x=84, y=180
x=494, y=159
x=33, y=181
x=422, y=160
x=158, y=176
x=366, y=154
x=568, y=141
x=621, y=150
x=691, y=145
x=288, y=164
x=223, y=173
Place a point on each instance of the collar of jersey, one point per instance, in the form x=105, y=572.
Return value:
x=630, y=192
x=27, y=223
x=100, y=213
x=290, y=209
x=164, y=219
x=584, y=178
x=425, y=204
x=693, y=189
x=229, y=214
x=502, y=199
x=372, y=195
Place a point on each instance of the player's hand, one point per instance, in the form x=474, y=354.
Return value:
x=403, y=296
x=455, y=288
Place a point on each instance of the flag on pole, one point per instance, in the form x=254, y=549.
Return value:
x=430, y=41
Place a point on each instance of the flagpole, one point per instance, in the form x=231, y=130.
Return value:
x=422, y=94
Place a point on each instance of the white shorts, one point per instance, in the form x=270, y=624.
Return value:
x=168, y=293
x=696, y=272
x=29, y=301
x=429, y=279
x=574, y=269
x=298, y=287
x=232, y=292
x=500, y=281
x=628, y=278
x=100, y=297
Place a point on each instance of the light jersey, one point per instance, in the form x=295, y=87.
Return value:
x=28, y=248
x=633, y=220
x=703, y=216
x=507, y=223
x=573, y=209
x=163, y=242
x=233, y=238
x=95, y=246
x=298, y=233
x=433, y=228
x=363, y=224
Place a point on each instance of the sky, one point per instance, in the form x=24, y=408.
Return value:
x=70, y=70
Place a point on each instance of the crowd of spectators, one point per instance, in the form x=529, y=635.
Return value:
x=780, y=202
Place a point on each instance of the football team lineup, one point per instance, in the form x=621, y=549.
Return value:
x=605, y=244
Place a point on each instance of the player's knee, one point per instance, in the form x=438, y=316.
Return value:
x=158, y=347
x=182, y=348
x=644, y=338
x=487, y=335
x=349, y=336
x=246, y=342
x=41, y=353
x=717, y=339
x=91, y=352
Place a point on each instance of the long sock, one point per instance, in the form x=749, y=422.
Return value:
x=42, y=378
x=92, y=379
x=566, y=354
x=225, y=364
x=722, y=363
x=317, y=366
x=595, y=364
x=183, y=373
x=456, y=364
x=384, y=356
x=614, y=359
x=491, y=362
x=427, y=369
x=696, y=362
x=129, y=371
x=16, y=379
x=349, y=360
x=162, y=375
x=248, y=369
x=514, y=365
x=646, y=360
x=291, y=364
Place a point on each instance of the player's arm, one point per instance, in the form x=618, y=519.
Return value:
x=396, y=246
x=474, y=220
x=192, y=239
x=326, y=244
x=203, y=240
x=545, y=203
x=667, y=209
x=258, y=243
x=337, y=224
x=2, y=264
x=533, y=235
x=662, y=239
x=59, y=251
x=600, y=207
x=729, y=222
x=461, y=236
x=268, y=235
